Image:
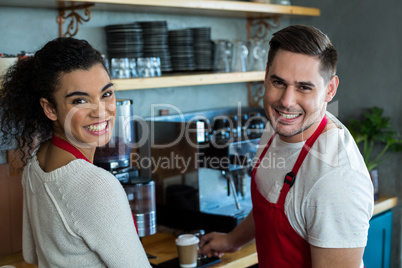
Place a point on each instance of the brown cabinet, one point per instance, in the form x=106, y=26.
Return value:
x=10, y=212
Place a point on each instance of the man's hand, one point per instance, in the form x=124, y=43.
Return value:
x=216, y=244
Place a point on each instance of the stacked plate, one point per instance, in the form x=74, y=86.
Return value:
x=203, y=48
x=181, y=50
x=124, y=41
x=155, y=35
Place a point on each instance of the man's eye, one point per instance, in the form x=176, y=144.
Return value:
x=278, y=83
x=305, y=88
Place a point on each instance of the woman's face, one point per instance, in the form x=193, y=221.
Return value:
x=86, y=107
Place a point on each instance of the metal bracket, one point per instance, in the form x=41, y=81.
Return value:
x=70, y=12
x=259, y=28
x=255, y=94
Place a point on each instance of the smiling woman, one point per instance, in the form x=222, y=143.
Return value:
x=86, y=109
x=61, y=106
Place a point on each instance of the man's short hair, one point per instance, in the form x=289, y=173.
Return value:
x=306, y=40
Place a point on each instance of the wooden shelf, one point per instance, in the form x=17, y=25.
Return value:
x=186, y=7
x=205, y=7
x=187, y=80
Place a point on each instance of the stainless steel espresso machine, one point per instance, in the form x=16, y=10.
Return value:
x=201, y=163
x=115, y=157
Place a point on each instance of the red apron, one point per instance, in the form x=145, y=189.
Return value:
x=64, y=145
x=278, y=244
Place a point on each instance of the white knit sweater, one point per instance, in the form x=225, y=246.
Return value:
x=78, y=216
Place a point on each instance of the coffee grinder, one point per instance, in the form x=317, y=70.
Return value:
x=115, y=157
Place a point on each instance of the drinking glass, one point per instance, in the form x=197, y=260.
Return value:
x=144, y=68
x=133, y=68
x=156, y=65
x=258, y=55
x=240, y=56
x=223, y=56
x=120, y=68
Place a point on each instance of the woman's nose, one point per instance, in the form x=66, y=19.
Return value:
x=98, y=110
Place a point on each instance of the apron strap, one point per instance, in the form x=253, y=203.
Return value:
x=291, y=176
x=262, y=155
x=64, y=145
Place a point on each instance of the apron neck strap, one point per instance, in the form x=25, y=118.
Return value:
x=291, y=176
x=64, y=145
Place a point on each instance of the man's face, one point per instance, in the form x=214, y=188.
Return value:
x=296, y=95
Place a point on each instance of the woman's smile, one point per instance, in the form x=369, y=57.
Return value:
x=98, y=128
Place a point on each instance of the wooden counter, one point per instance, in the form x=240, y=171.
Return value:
x=163, y=246
x=384, y=204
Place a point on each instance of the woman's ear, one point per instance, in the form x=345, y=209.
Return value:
x=48, y=109
x=332, y=88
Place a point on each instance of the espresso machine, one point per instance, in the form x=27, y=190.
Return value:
x=115, y=157
x=202, y=164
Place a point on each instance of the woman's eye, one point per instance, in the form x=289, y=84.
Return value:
x=79, y=101
x=107, y=94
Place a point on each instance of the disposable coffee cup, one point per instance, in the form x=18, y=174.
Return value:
x=187, y=247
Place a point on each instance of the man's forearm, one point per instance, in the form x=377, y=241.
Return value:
x=244, y=232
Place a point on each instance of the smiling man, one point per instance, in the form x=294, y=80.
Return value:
x=314, y=211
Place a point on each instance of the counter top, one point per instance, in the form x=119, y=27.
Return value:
x=384, y=203
x=163, y=246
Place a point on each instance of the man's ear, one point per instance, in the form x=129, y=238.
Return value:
x=48, y=109
x=332, y=88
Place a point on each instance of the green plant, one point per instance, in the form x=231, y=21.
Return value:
x=372, y=129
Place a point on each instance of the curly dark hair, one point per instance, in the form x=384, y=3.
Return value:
x=33, y=78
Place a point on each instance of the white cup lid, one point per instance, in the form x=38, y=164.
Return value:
x=187, y=239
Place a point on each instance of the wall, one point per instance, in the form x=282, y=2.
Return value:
x=368, y=38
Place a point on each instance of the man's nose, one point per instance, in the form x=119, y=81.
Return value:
x=288, y=98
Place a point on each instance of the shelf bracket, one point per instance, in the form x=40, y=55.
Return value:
x=255, y=94
x=259, y=28
x=70, y=13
